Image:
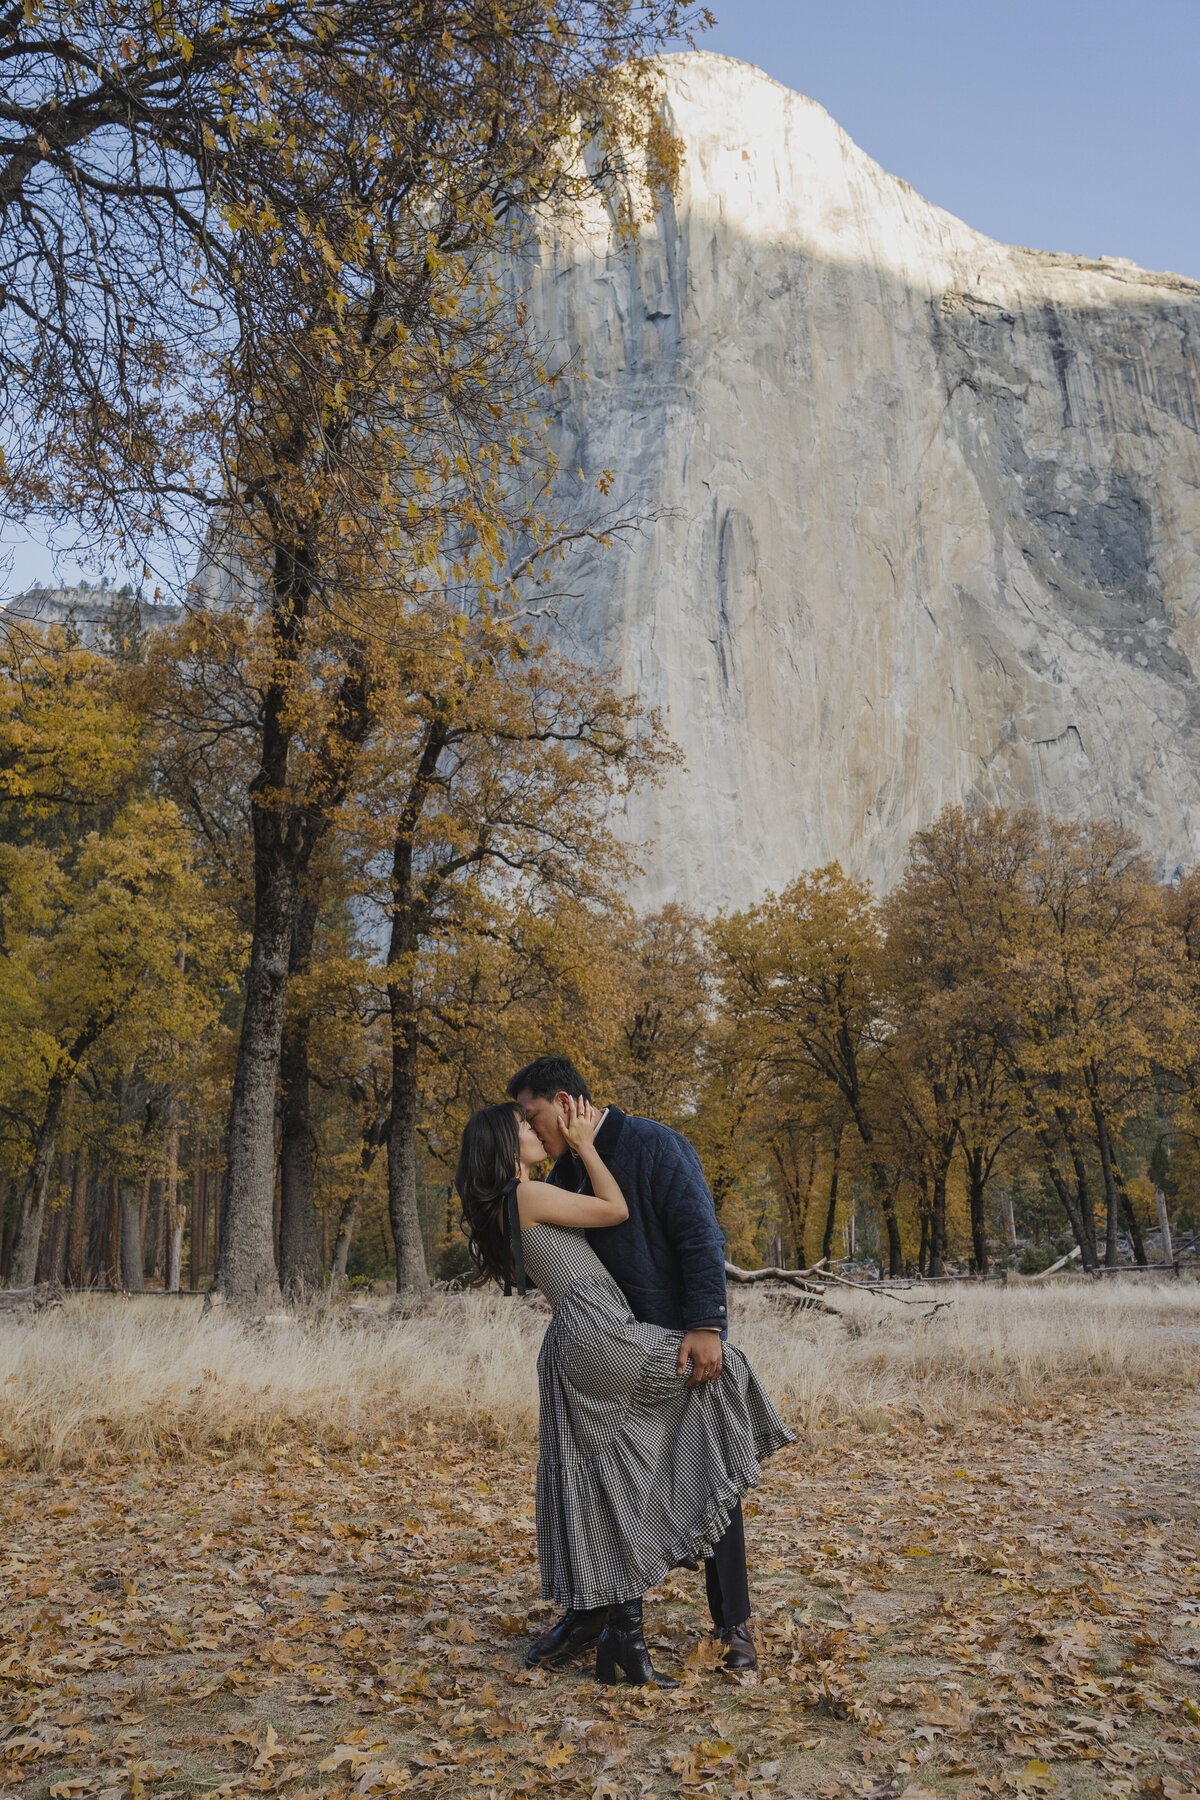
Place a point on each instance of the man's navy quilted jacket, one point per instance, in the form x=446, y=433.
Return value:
x=668, y=1257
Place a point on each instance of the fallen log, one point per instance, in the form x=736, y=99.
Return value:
x=1055, y=1267
x=806, y=1294
x=32, y=1299
x=794, y=1277
x=881, y=1289
x=800, y=1278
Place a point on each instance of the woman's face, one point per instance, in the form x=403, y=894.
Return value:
x=532, y=1150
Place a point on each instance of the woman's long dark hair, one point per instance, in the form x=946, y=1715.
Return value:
x=487, y=1162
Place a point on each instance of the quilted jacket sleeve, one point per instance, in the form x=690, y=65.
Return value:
x=685, y=1206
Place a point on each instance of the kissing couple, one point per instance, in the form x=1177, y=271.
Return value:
x=652, y=1427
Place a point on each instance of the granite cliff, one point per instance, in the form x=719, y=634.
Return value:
x=921, y=511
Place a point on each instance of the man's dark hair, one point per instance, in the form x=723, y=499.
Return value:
x=548, y=1076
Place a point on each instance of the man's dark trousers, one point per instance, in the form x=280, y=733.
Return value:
x=725, y=1576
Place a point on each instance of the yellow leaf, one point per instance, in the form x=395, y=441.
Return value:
x=1035, y=1778
x=271, y=1748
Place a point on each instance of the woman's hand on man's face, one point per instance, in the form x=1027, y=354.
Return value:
x=579, y=1121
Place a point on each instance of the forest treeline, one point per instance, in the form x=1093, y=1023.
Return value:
x=1007, y=1037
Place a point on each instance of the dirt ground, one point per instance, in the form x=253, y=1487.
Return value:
x=1011, y=1608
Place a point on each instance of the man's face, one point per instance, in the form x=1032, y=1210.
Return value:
x=546, y=1117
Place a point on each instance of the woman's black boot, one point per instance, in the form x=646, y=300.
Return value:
x=622, y=1646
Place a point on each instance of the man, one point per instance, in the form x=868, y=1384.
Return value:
x=668, y=1259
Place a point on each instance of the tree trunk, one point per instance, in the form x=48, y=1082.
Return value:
x=1112, y=1200
x=412, y=1277
x=50, y=1254
x=831, y=1210
x=7, y=1227
x=77, y=1237
x=1091, y=1256
x=173, y=1205
x=54, y=1239
x=937, y=1225
x=1062, y=1187
x=1167, y=1252
x=143, y=1219
x=175, y=1251
x=923, y=1214
x=797, y=1192
x=373, y=1136
x=283, y=845
x=345, y=1237
x=22, y=1265
x=154, y=1265
x=200, y=1225
x=112, y=1268
x=299, y=1249
x=943, y=1148
x=404, y=945
x=97, y=1232
x=247, y=1271
x=131, y=1195
x=58, y=1261
x=884, y=1194
x=1135, y=1230
x=800, y=1224
x=199, y=1208
x=284, y=841
x=276, y=1211
x=976, y=1184
x=887, y=1201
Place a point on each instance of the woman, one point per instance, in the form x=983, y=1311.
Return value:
x=638, y=1472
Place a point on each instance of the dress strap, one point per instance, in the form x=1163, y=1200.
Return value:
x=512, y=1228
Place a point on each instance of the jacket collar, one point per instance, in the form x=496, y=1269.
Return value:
x=610, y=1131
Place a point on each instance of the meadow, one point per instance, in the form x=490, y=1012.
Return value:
x=108, y=1377
x=298, y=1557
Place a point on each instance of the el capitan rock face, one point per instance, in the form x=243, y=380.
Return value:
x=922, y=510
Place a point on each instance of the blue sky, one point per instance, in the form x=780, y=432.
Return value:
x=1060, y=125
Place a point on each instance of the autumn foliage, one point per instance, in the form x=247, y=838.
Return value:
x=1006, y=1038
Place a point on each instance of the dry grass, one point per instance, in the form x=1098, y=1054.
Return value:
x=106, y=1377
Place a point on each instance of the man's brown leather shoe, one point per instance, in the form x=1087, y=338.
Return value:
x=568, y=1637
x=740, y=1654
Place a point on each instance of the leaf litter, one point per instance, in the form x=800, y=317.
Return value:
x=1008, y=1611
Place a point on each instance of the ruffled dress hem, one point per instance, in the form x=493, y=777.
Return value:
x=688, y=1548
x=594, y=1487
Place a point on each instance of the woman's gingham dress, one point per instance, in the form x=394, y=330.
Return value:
x=637, y=1471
